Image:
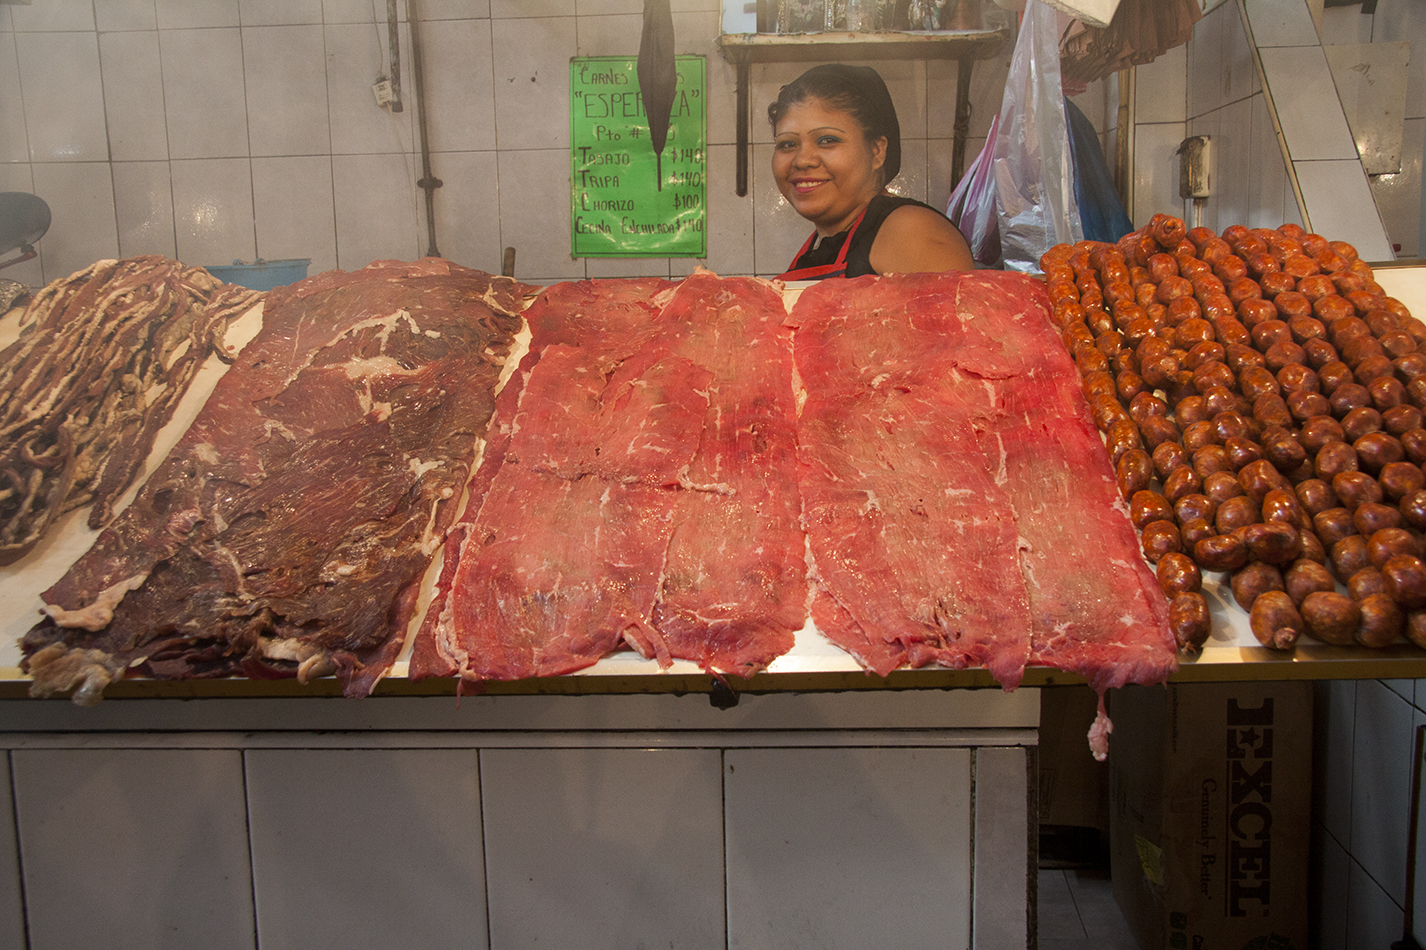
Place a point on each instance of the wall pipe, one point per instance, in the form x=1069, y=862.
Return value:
x=428, y=182
x=393, y=44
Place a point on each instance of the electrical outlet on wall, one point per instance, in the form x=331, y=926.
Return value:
x=381, y=89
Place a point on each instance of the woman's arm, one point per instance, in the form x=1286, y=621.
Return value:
x=916, y=240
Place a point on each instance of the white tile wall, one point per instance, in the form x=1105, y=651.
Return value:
x=63, y=96
x=13, y=140
x=213, y=210
x=355, y=56
x=407, y=872
x=286, y=86
x=1204, y=53
x=604, y=848
x=791, y=813
x=1301, y=83
x=143, y=208
x=1156, y=170
x=1267, y=173
x=133, y=96
x=535, y=213
x=1398, y=20
x=461, y=115
x=45, y=15
x=280, y=12
x=1240, y=76
x=293, y=212
x=203, y=93
x=1281, y=23
x=82, y=228
x=467, y=210
x=376, y=203
x=115, y=856
x=1339, y=201
x=185, y=14
x=1166, y=78
x=125, y=15
x=531, y=58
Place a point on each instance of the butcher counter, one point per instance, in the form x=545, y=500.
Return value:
x=809, y=805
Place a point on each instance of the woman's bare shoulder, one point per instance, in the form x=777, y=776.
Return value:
x=914, y=239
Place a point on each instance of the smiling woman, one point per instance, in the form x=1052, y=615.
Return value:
x=836, y=146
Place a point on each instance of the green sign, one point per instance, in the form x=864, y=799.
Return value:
x=618, y=205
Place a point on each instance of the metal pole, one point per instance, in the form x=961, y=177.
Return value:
x=428, y=183
x=393, y=43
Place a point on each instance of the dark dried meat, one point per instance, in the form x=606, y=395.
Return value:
x=104, y=358
x=289, y=528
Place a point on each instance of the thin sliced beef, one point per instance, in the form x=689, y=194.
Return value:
x=654, y=437
x=910, y=532
x=609, y=312
x=954, y=491
x=289, y=528
x=562, y=564
x=734, y=589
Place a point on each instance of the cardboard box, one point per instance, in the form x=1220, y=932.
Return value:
x=1210, y=801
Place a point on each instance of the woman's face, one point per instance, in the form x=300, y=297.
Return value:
x=824, y=165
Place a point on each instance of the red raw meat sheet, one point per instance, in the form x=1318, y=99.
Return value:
x=674, y=533
x=562, y=564
x=912, y=537
x=734, y=588
x=567, y=313
x=960, y=505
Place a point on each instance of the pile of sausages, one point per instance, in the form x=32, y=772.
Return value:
x=1261, y=397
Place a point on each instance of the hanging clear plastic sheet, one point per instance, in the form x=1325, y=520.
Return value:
x=1034, y=173
x=972, y=204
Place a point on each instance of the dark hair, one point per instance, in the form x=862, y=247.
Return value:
x=858, y=90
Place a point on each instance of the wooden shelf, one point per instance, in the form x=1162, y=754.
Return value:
x=825, y=47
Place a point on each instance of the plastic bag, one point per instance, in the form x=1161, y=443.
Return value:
x=972, y=204
x=1034, y=175
x=1101, y=213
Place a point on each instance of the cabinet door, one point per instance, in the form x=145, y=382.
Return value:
x=142, y=848
x=603, y=848
x=367, y=848
x=848, y=848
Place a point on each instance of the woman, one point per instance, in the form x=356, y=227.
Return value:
x=836, y=145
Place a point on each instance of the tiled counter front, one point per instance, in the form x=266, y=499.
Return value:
x=828, y=820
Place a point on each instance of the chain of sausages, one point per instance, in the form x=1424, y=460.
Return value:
x=1262, y=398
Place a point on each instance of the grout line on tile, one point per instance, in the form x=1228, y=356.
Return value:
x=1375, y=883
x=14, y=818
x=484, y=845
x=248, y=833
x=723, y=819
x=248, y=128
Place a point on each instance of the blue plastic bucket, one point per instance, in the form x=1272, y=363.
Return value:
x=261, y=274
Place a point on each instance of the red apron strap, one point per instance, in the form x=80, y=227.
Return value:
x=817, y=272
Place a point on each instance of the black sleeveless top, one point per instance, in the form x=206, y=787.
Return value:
x=859, y=254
